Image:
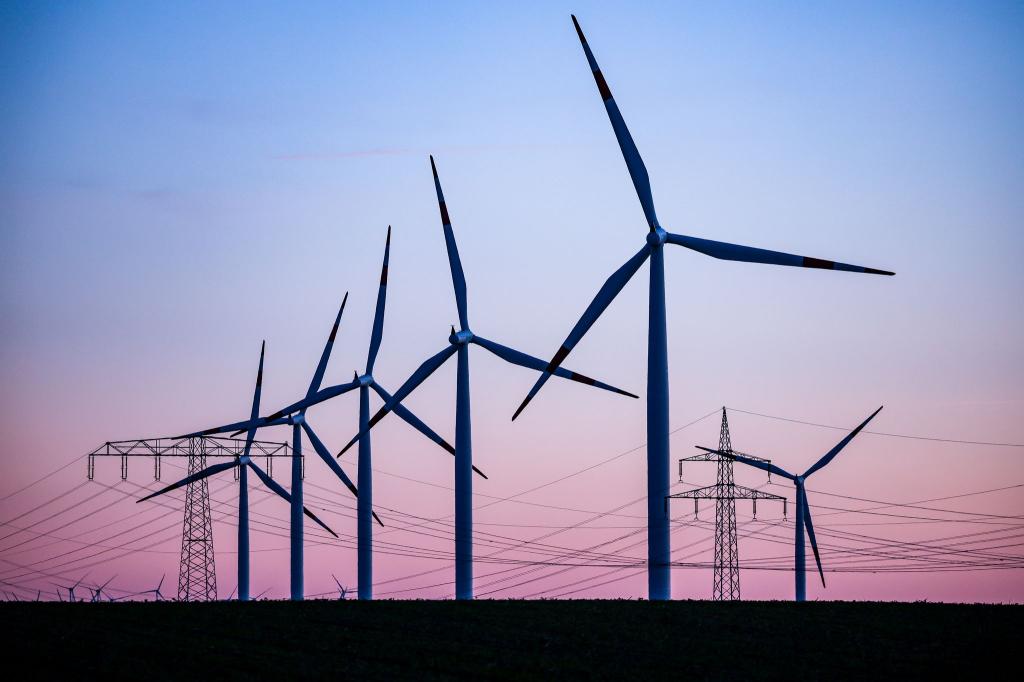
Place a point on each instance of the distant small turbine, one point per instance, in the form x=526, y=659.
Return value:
x=244, y=463
x=803, y=510
x=658, y=545
x=342, y=590
x=70, y=589
x=157, y=594
x=97, y=594
x=458, y=342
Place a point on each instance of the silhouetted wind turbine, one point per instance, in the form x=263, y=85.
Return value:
x=244, y=463
x=803, y=510
x=458, y=342
x=157, y=594
x=295, y=416
x=364, y=383
x=658, y=549
x=97, y=594
x=71, y=588
x=342, y=590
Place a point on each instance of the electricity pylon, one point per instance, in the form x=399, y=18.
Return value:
x=197, y=577
x=725, y=492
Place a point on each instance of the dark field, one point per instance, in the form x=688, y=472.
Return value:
x=509, y=640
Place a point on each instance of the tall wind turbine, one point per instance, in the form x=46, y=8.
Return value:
x=295, y=416
x=364, y=383
x=458, y=343
x=658, y=550
x=803, y=510
x=244, y=463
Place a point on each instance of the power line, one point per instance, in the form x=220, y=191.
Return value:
x=881, y=433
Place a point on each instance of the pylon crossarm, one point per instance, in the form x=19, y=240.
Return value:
x=743, y=493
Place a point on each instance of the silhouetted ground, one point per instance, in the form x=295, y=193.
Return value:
x=509, y=640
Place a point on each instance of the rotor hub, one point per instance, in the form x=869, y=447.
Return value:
x=365, y=380
x=657, y=237
x=460, y=338
x=244, y=459
x=297, y=419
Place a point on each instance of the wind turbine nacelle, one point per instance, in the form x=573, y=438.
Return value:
x=365, y=380
x=460, y=338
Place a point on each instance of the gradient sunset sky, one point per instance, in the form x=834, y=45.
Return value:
x=179, y=181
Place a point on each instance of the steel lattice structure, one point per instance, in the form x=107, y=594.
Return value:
x=197, y=575
x=725, y=492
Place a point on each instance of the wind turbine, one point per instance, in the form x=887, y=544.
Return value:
x=97, y=594
x=244, y=463
x=803, y=510
x=458, y=342
x=342, y=590
x=658, y=550
x=295, y=416
x=157, y=594
x=70, y=589
x=294, y=413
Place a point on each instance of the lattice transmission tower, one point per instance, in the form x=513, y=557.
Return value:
x=725, y=492
x=197, y=577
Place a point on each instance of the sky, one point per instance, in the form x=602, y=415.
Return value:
x=180, y=182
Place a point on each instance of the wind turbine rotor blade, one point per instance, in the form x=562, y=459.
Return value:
x=269, y=482
x=378, y=316
x=635, y=164
x=320, y=396
x=415, y=422
x=750, y=254
x=458, y=277
x=318, y=375
x=428, y=367
x=236, y=428
x=757, y=464
x=331, y=462
x=516, y=357
x=611, y=288
x=259, y=386
x=810, y=535
x=315, y=519
x=830, y=455
x=260, y=423
x=199, y=475
x=254, y=417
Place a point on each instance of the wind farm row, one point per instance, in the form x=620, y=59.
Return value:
x=458, y=345
x=460, y=339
